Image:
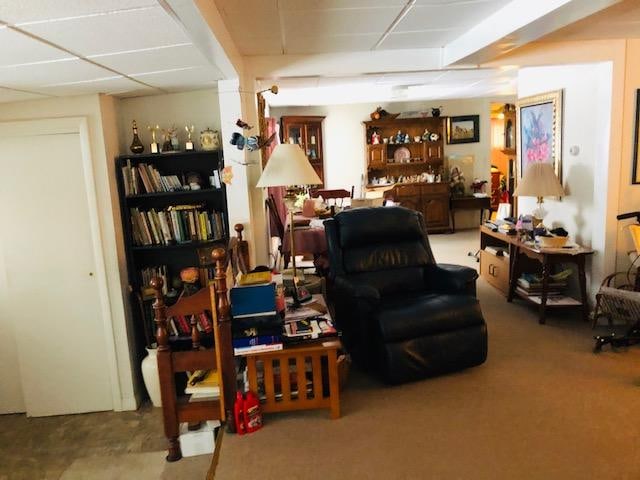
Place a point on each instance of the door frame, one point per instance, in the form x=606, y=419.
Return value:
x=79, y=125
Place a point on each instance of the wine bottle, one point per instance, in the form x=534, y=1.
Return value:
x=136, y=144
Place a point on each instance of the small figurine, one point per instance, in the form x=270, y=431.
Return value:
x=399, y=137
x=478, y=185
x=434, y=137
x=136, y=144
x=188, y=145
x=435, y=111
x=406, y=138
x=173, y=136
x=155, y=148
x=167, y=146
x=425, y=135
x=375, y=138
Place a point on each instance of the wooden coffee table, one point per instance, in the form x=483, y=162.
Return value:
x=280, y=373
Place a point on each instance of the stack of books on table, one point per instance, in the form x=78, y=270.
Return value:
x=256, y=326
x=309, y=322
x=531, y=286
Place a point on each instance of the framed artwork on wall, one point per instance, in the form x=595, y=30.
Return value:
x=540, y=137
x=463, y=129
x=635, y=178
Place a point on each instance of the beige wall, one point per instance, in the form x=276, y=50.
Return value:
x=345, y=147
x=89, y=106
x=199, y=108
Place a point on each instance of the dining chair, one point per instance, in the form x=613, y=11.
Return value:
x=335, y=195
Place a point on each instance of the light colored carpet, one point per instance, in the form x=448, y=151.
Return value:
x=541, y=407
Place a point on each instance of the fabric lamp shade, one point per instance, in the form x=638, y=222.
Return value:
x=288, y=165
x=539, y=180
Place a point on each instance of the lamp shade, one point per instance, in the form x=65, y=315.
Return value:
x=539, y=180
x=288, y=165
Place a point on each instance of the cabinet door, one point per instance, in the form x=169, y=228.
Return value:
x=294, y=133
x=377, y=155
x=435, y=209
x=434, y=152
x=312, y=144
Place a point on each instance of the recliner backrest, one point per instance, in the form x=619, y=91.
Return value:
x=385, y=247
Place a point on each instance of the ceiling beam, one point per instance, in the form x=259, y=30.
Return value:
x=516, y=24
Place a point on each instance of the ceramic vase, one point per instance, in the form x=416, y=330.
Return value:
x=150, y=376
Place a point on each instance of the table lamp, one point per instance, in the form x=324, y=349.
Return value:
x=288, y=167
x=539, y=181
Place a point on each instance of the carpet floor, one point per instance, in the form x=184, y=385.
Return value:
x=542, y=407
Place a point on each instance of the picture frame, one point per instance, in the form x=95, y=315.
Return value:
x=635, y=176
x=539, y=121
x=463, y=129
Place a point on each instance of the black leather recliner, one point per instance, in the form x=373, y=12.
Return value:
x=400, y=313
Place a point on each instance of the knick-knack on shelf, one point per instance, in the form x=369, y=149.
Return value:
x=136, y=144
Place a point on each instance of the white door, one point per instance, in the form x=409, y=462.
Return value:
x=52, y=297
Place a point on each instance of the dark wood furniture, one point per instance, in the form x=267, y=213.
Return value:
x=306, y=131
x=278, y=223
x=178, y=255
x=335, y=195
x=468, y=203
x=431, y=199
x=503, y=272
x=177, y=409
x=320, y=359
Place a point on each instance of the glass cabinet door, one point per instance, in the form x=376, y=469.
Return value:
x=295, y=134
x=313, y=142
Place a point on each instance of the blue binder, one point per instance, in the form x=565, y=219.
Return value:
x=253, y=300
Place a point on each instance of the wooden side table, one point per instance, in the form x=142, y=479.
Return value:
x=468, y=203
x=548, y=257
x=318, y=363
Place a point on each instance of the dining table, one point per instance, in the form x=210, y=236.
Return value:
x=309, y=239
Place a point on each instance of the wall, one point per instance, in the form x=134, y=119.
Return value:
x=199, y=108
x=89, y=106
x=587, y=91
x=345, y=148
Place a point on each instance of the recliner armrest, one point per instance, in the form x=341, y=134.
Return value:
x=356, y=291
x=447, y=278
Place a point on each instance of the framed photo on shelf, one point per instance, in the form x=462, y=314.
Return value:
x=539, y=118
x=463, y=129
x=635, y=179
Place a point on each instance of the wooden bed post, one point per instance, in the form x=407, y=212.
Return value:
x=165, y=373
x=224, y=326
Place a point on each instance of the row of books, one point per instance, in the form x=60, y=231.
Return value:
x=530, y=285
x=145, y=178
x=148, y=273
x=180, y=325
x=176, y=224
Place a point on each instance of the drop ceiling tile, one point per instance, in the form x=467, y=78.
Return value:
x=259, y=45
x=37, y=75
x=328, y=44
x=152, y=60
x=113, y=86
x=36, y=10
x=114, y=32
x=339, y=4
x=453, y=15
x=16, y=48
x=200, y=77
x=246, y=7
x=334, y=22
x=8, y=95
x=419, y=39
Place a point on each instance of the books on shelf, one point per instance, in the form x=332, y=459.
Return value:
x=176, y=224
x=252, y=341
x=145, y=178
x=254, y=278
x=180, y=326
x=146, y=274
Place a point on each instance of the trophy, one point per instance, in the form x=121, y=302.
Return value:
x=167, y=145
x=155, y=148
x=136, y=144
x=189, y=143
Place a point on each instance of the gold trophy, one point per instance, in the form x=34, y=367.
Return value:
x=189, y=143
x=155, y=147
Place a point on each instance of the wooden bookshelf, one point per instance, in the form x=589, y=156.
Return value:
x=175, y=255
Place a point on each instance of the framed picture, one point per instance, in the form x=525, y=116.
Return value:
x=463, y=129
x=635, y=179
x=539, y=119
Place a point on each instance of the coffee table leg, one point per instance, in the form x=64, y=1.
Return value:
x=582, y=279
x=514, y=273
x=334, y=385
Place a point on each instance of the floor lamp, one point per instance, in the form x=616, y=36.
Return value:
x=289, y=167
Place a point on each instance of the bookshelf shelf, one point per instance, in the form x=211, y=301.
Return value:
x=184, y=245
x=180, y=215
x=175, y=194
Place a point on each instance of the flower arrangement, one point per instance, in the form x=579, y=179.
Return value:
x=537, y=146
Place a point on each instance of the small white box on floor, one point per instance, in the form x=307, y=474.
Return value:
x=198, y=442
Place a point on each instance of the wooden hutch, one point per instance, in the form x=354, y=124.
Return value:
x=402, y=169
x=306, y=131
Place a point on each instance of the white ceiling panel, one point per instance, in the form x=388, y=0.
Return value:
x=339, y=4
x=16, y=48
x=338, y=22
x=152, y=60
x=430, y=39
x=454, y=14
x=9, y=95
x=115, y=32
x=201, y=77
x=250, y=45
x=338, y=43
x=112, y=86
x=37, y=75
x=246, y=7
x=16, y=12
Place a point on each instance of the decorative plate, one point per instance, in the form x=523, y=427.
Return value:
x=434, y=137
x=401, y=155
